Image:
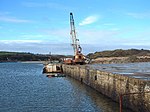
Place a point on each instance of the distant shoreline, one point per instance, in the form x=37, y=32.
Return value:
x=40, y=62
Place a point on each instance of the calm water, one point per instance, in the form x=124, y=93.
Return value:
x=23, y=88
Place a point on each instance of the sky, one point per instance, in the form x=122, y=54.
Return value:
x=42, y=26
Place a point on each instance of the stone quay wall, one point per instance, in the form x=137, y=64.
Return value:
x=113, y=86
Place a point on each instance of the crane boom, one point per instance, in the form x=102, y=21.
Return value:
x=78, y=58
x=75, y=42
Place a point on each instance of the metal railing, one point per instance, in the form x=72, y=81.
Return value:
x=126, y=94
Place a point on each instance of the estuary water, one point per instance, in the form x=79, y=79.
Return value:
x=23, y=88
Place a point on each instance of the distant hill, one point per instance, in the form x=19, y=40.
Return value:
x=21, y=56
x=119, y=53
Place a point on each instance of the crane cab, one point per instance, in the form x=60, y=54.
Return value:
x=79, y=59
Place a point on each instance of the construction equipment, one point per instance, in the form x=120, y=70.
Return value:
x=79, y=58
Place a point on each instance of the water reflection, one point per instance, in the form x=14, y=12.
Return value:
x=98, y=102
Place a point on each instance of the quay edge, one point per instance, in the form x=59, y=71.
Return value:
x=114, y=85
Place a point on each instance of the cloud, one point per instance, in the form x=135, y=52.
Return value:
x=19, y=41
x=44, y=47
x=139, y=15
x=89, y=20
x=27, y=36
x=59, y=35
x=115, y=29
x=49, y=37
x=13, y=20
x=36, y=46
x=109, y=24
x=97, y=36
x=45, y=5
x=59, y=32
x=34, y=4
x=137, y=44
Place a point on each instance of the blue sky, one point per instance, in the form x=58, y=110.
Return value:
x=42, y=26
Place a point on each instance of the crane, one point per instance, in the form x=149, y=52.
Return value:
x=79, y=58
x=75, y=42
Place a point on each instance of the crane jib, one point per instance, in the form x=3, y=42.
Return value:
x=75, y=42
x=78, y=56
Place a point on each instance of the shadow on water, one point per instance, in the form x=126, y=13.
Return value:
x=97, y=101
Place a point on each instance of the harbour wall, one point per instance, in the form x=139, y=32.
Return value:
x=134, y=92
